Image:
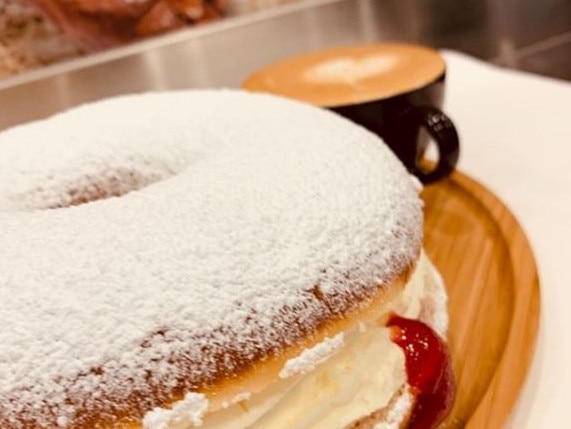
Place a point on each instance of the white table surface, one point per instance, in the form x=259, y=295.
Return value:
x=515, y=131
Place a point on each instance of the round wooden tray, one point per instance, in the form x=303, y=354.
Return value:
x=490, y=273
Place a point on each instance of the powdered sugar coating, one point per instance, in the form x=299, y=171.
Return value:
x=190, y=410
x=310, y=358
x=115, y=307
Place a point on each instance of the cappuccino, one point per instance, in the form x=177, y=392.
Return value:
x=350, y=75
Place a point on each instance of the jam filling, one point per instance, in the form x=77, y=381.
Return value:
x=429, y=371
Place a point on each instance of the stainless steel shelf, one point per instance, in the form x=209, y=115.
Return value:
x=224, y=53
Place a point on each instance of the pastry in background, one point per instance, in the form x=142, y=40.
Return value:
x=34, y=33
x=28, y=39
x=104, y=23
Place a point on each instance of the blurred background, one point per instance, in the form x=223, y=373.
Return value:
x=72, y=51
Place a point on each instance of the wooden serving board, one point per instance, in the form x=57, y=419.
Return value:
x=490, y=273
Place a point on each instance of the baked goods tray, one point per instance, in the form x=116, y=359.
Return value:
x=494, y=300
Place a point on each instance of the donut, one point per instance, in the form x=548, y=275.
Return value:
x=214, y=259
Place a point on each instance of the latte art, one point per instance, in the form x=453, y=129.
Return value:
x=350, y=70
x=350, y=75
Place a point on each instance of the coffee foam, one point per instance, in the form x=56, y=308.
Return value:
x=350, y=75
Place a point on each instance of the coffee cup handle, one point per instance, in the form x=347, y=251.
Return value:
x=444, y=134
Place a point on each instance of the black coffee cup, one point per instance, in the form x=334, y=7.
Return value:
x=394, y=90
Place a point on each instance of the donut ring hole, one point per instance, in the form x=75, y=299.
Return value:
x=96, y=182
x=100, y=187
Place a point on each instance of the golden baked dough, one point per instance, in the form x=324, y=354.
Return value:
x=238, y=231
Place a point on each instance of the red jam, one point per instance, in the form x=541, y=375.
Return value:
x=429, y=371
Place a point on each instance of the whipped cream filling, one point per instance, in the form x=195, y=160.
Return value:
x=361, y=373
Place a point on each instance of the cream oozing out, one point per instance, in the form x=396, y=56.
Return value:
x=244, y=204
x=338, y=381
